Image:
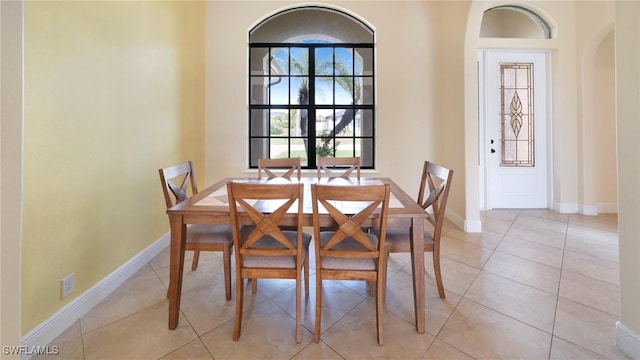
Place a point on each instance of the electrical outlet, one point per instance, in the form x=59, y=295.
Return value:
x=66, y=286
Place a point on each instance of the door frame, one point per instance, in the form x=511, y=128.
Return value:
x=483, y=146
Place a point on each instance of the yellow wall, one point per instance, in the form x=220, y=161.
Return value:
x=113, y=91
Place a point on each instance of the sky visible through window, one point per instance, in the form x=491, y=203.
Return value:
x=284, y=90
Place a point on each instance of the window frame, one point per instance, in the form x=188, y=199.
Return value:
x=256, y=138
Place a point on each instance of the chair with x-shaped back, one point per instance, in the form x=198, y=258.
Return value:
x=176, y=181
x=350, y=252
x=335, y=167
x=433, y=193
x=268, y=166
x=264, y=249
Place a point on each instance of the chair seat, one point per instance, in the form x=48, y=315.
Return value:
x=399, y=237
x=351, y=251
x=335, y=263
x=264, y=250
x=432, y=195
x=176, y=181
x=280, y=262
x=200, y=234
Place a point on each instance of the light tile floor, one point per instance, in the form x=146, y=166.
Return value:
x=534, y=284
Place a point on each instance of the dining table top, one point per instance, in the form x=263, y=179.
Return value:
x=214, y=198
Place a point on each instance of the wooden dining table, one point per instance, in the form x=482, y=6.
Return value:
x=210, y=206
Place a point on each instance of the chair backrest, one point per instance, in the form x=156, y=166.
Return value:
x=351, y=207
x=263, y=207
x=434, y=191
x=176, y=181
x=338, y=166
x=290, y=164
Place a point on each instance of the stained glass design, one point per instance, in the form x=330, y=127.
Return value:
x=516, y=115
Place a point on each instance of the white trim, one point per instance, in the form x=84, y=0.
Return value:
x=47, y=331
x=590, y=210
x=482, y=144
x=599, y=208
x=607, y=208
x=566, y=208
x=473, y=226
x=627, y=341
x=459, y=221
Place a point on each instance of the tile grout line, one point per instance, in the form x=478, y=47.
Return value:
x=555, y=312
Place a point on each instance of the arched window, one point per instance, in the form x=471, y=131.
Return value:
x=512, y=21
x=311, y=87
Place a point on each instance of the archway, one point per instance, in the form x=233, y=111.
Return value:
x=598, y=126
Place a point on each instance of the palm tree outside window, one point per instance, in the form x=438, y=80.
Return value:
x=311, y=87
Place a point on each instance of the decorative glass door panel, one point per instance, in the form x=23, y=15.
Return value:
x=516, y=116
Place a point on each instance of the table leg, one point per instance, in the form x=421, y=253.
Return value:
x=417, y=261
x=178, y=241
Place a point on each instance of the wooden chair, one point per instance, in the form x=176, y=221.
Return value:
x=433, y=193
x=350, y=252
x=264, y=249
x=176, y=181
x=338, y=166
x=290, y=164
x=265, y=165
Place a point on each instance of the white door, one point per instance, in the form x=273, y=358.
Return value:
x=514, y=120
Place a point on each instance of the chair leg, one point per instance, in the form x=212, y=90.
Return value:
x=384, y=276
x=306, y=276
x=237, y=322
x=226, y=254
x=380, y=310
x=196, y=257
x=254, y=285
x=436, y=268
x=316, y=332
x=298, y=310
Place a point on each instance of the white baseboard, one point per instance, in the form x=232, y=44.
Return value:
x=627, y=341
x=564, y=208
x=474, y=226
x=47, y=331
x=592, y=209
x=599, y=208
x=459, y=221
x=607, y=208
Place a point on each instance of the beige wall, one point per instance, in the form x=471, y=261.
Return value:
x=596, y=113
x=418, y=115
x=435, y=93
x=627, y=113
x=582, y=126
x=113, y=91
